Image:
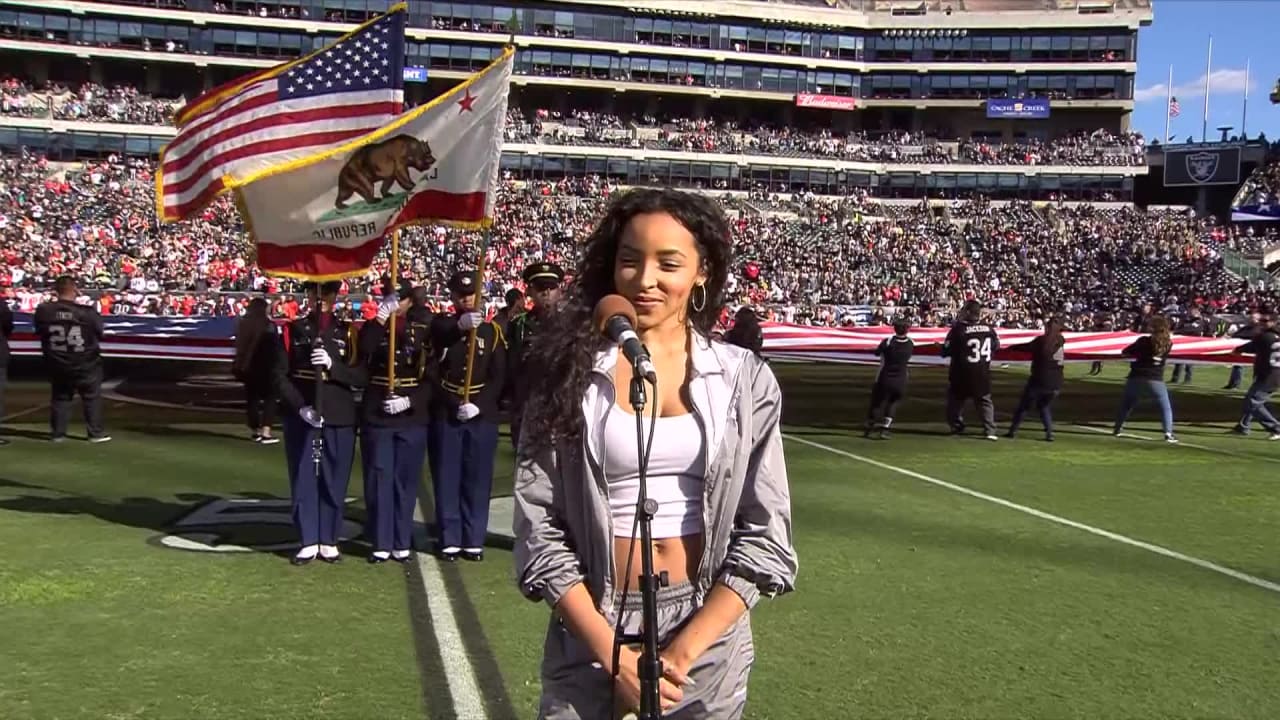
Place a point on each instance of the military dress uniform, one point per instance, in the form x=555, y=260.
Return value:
x=393, y=438
x=324, y=345
x=464, y=434
x=520, y=339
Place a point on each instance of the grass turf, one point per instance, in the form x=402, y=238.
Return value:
x=913, y=600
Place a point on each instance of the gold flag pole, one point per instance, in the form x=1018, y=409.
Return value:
x=471, y=340
x=391, y=321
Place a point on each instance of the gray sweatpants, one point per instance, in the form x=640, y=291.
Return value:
x=955, y=410
x=575, y=687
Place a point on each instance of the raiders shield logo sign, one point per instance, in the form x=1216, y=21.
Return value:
x=1202, y=166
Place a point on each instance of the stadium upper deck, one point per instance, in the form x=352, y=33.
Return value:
x=991, y=70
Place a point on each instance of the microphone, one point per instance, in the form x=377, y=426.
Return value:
x=615, y=318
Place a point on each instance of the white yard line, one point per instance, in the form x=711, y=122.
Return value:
x=23, y=413
x=459, y=673
x=1181, y=443
x=1158, y=550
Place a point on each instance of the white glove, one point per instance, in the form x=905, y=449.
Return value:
x=470, y=321
x=467, y=412
x=394, y=405
x=311, y=417
x=386, y=308
x=320, y=357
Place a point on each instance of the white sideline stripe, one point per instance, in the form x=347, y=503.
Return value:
x=1158, y=550
x=1181, y=442
x=458, y=671
x=23, y=413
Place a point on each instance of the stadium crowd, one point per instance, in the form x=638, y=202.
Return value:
x=822, y=261
x=126, y=104
x=1262, y=187
x=709, y=135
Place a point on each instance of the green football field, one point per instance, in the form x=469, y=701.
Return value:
x=940, y=577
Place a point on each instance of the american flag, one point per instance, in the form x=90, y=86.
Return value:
x=287, y=113
x=857, y=345
x=213, y=339
x=1174, y=109
x=148, y=336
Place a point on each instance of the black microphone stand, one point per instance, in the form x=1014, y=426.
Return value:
x=650, y=671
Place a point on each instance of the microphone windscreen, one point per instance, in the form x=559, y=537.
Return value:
x=609, y=306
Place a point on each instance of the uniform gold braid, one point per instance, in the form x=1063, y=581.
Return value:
x=353, y=337
x=498, y=335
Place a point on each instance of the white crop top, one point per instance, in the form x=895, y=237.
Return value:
x=677, y=465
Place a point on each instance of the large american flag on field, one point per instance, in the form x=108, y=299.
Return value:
x=858, y=344
x=213, y=338
x=279, y=116
x=148, y=337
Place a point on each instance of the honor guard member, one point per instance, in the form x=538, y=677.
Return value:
x=393, y=439
x=542, y=281
x=464, y=431
x=70, y=337
x=317, y=381
x=971, y=344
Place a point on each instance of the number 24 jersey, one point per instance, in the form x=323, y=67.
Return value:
x=69, y=335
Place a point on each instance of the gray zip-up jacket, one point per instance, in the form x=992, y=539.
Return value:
x=563, y=526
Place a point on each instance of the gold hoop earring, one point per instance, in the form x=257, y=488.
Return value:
x=698, y=306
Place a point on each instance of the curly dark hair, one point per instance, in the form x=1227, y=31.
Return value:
x=565, y=345
x=1161, y=340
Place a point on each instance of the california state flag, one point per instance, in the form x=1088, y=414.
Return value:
x=326, y=218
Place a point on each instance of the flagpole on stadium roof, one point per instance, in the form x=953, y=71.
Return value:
x=1244, y=107
x=1168, y=105
x=1208, y=69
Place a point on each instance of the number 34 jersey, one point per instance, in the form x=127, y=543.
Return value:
x=69, y=336
x=971, y=347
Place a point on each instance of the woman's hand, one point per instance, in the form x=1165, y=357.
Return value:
x=675, y=667
x=628, y=683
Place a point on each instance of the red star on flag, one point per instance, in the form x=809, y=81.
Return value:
x=466, y=102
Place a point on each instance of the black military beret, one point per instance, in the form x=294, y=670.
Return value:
x=543, y=272
x=462, y=282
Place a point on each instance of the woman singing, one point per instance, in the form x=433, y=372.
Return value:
x=1146, y=372
x=257, y=346
x=722, y=531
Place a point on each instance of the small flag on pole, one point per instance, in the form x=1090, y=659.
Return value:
x=326, y=218
x=283, y=114
x=1174, y=108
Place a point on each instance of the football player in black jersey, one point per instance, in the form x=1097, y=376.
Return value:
x=1047, y=356
x=70, y=339
x=891, y=381
x=1265, y=348
x=971, y=344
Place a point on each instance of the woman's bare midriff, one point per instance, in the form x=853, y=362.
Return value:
x=678, y=556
